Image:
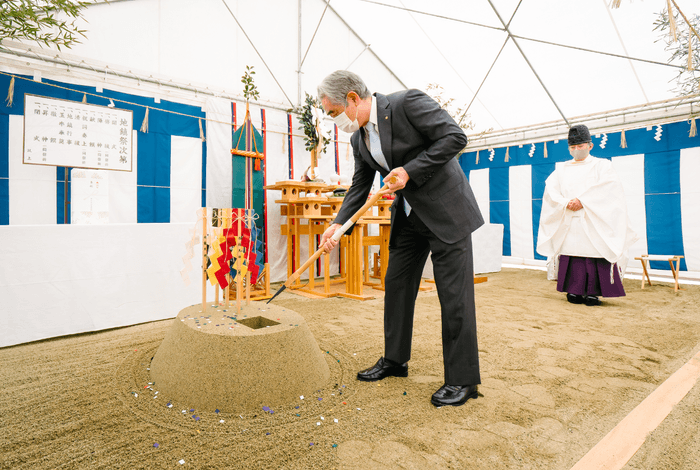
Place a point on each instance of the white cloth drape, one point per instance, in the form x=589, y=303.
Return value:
x=219, y=145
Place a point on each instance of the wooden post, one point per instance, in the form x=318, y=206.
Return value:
x=365, y=250
x=290, y=241
x=313, y=163
x=326, y=265
x=312, y=249
x=247, y=288
x=267, y=278
x=297, y=247
x=343, y=258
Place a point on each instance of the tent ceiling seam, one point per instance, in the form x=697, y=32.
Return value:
x=619, y=56
x=257, y=52
x=525, y=38
x=358, y=56
x=367, y=46
x=434, y=15
x=314, y=35
x=526, y=60
x=456, y=72
x=489, y=71
x=622, y=43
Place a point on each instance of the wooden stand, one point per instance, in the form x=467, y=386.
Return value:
x=318, y=212
x=257, y=291
x=670, y=258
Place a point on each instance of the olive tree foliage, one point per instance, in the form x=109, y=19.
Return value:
x=687, y=81
x=435, y=91
x=458, y=113
x=46, y=22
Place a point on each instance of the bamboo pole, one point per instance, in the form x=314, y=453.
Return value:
x=204, y=259
x=226, y=215
x=326, y=266
x=239, y=280
x=312, y=248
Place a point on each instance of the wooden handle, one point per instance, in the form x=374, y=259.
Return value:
x=370, y=202
x=339, y=233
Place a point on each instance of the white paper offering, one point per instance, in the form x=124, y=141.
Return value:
x=89, y=197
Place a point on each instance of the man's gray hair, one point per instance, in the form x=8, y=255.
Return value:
x=337, y=85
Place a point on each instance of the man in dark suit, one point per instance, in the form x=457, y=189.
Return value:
x=407, y=137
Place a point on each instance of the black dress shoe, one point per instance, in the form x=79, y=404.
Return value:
x=383, y=368
x=575, y=299
x=591, y=300
x=454, y=395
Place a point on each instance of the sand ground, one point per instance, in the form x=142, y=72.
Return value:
x=556, y=378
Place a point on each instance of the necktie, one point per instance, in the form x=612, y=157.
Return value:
x=375, y=148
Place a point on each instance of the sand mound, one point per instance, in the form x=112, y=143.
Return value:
x=217, y=359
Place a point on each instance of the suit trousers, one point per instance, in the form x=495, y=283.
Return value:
x=454, y=278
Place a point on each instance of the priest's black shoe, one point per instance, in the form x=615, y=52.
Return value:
x=383, y=368
x=453, y=395
x=575, y=299
x=591, y=300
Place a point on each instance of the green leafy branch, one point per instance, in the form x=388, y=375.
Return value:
x=308, y=120
x=41, y=21
x=687, y=81
x=249, y=88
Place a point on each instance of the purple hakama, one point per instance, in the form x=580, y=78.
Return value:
x=588, y=276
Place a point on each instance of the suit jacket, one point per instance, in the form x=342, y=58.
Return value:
x=421, y=137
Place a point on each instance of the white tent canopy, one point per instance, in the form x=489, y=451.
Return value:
x=397, y=43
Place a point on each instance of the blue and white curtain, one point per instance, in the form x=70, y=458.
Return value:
x=168, y=178
x=659, y=169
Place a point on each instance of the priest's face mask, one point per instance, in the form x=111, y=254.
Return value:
x=580, y=151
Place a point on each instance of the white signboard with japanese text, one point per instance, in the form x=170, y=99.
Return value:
x=78, y=135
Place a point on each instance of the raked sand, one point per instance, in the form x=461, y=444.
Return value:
x=556, y=379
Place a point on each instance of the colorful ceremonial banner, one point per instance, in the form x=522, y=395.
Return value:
x=247, y=186
x=236, y=248
x=78, y=135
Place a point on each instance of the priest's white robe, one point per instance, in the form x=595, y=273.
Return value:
x=601, y=229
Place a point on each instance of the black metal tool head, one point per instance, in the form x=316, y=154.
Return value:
x=277, y=293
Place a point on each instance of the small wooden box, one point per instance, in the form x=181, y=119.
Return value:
x=383, y=206
x=311, y=209
x=332, y=206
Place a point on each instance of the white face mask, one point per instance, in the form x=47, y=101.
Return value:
x=579, y=154
x=345, y=124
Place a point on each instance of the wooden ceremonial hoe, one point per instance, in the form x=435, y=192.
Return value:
x=336, y=236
